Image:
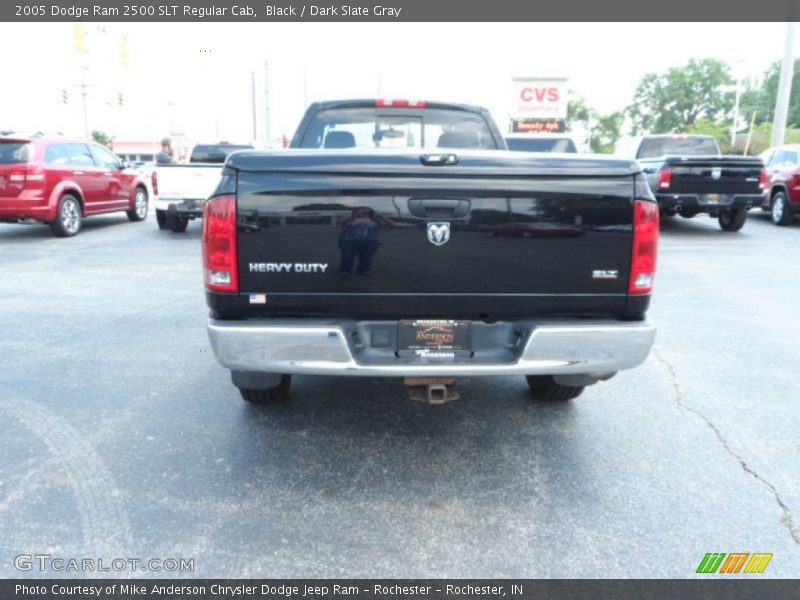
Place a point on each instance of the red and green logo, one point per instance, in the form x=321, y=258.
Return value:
x=734, y=562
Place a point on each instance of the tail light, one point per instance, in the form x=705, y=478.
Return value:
x=154, y=182
x=27, y=176
x=664, y=178
x=645, y=247
x=763, y=181
x=403, y=103
x=220, y=262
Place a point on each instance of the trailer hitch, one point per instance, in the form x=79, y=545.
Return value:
x=433, y=390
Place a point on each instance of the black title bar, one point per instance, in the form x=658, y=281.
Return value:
x=399, y=11
x=395, y=589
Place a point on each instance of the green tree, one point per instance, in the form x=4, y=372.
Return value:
x=674, y=101
x=754, y=99
x=761, y=98
x=761, y=137
x=606, y=131
x=720, y=130
x=101, y=137
x=578, y=112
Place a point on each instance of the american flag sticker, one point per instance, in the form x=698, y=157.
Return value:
x=258, y=298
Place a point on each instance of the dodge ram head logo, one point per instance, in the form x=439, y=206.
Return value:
x=438, y=233
x=716, y=172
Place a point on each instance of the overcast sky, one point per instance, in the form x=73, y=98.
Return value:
x=197, y=77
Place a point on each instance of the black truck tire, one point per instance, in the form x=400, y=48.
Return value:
x=161, y=218
x=544, y=388
x=780, y=209
x=177, y=223
x=732, y=220
x=279, y=393
x=69, y=217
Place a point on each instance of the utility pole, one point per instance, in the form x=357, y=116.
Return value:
x=79, y=35
x=266, y=103
x=735, y=124
x=253, y=82
x=82, y=85
x=305, y=87
x=784, y=87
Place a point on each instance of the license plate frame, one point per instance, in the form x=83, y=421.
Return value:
x=420, y=336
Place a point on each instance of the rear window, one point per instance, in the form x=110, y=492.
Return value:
x=534, y=144
x=397, y=128
x=682, y=146
x=15, y=152
x=214, y=153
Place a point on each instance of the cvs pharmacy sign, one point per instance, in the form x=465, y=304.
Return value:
x=539, y=98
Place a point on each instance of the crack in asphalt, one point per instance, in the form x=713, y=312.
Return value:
x=788, y=518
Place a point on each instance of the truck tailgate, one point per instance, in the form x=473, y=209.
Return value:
x=497, y=241
x=187, y=182
x=713, y=174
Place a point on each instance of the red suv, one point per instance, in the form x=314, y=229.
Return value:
x=782, y=195
x=60, y=181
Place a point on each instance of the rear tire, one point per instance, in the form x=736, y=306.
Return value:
x=177, y=223
x=279, y=393
x=780, y=210
x=140, y=206
x=545, y=389
x=69, y=217
x=161, y=219
x=732, y=220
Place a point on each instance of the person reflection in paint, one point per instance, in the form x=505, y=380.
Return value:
x=359, y=240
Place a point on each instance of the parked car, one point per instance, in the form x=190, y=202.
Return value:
x=689, y=176
x=541, y=142
x=181, y=189
x=60, y=181
x=782, y=193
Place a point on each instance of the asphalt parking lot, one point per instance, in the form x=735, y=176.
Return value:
x=122, y=437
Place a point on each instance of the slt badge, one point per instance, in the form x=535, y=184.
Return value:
x=438, y=233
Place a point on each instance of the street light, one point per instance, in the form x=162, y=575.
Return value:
x=738, y=88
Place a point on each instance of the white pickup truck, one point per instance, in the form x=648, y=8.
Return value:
x=180, y=190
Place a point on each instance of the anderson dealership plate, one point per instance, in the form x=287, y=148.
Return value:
x=436, y=336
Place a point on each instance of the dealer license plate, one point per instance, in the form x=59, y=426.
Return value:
x=439, y=337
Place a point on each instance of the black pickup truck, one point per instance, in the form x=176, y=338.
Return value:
x=689, y=176
x=382, y=124
x=358, y=262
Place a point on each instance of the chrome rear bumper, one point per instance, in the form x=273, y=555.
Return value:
x=594, y=348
